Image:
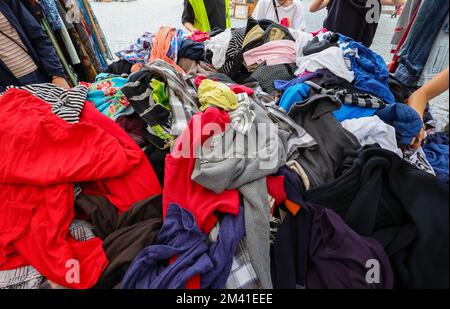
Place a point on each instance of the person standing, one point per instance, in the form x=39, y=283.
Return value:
x=205, y=15
x=26, y=53
x=277, y=10
x=357, y=19
x=420, y=98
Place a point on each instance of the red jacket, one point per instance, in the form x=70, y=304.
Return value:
x=42, y=157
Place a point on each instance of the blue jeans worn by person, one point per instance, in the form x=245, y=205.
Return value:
x=417, y=48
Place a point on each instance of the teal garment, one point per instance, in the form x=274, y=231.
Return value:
x=107, y=96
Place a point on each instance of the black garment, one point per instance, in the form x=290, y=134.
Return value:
x=315, y=115
x=157, y=158
x=120, y=67
x=214, y=8
x=125, y=235
x=327, y=80
x=138, y=92
x=315, y=46
x=267, y=75
x=379, y=195
x=399, y=90
x=348, y=17
x=192, y=50
x=289, y=255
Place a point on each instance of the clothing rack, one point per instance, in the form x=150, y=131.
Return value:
x=76, y=36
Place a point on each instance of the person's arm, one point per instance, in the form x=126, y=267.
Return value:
x=317, y=5
x=419, y=99
x=41, y=43
x=188, y=17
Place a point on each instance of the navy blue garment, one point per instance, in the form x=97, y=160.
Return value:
x=382, y=196
x=404, y=119
x=436, y=150
x=181, y=237
x=221, y=252
x=417, y=48
x=36, y=77
x=192, y=50
x=371, y=72
x=35, y=40
x=293, y=185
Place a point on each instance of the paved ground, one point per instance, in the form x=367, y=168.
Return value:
x=123, y=22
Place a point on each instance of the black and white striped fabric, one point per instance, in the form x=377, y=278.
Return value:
x=350, y=97
x=359, y=99
x=234, y=49
x=66, y=104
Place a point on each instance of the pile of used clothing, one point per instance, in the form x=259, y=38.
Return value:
x=258, y=157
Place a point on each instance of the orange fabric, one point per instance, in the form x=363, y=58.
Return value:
x=293, y=207
x=161, y=46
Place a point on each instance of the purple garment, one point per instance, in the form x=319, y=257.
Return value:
x=317, y=250
x=180, y=236
x=338, y=256
x=282, y=85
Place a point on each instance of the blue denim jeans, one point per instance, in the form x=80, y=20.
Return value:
x=415, y=52
x=37, y=77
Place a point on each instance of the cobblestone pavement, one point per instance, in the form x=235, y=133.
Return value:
x=123, y=22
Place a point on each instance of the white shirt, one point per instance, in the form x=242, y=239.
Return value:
x=295, y=12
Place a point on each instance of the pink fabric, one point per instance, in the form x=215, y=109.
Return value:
x=273, y=53
x=316, y=33
x=199, y=36
x=198, y=80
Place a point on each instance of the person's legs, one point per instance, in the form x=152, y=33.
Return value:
x=37, y=77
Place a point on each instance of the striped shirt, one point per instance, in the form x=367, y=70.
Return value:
x=15, y=58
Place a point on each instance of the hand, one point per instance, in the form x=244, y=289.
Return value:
x=60, y=82
x=417, y=101
x=418, y=141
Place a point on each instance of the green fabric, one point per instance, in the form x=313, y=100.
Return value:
x=201, y=21
x=212, y=93
x=159, y=94
x=227, y=10
x=160, y=132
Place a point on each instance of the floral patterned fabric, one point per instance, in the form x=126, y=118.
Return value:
x=107, y=96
